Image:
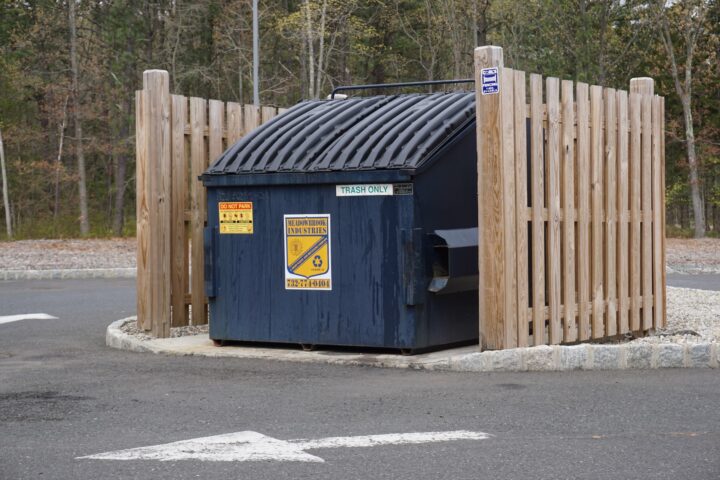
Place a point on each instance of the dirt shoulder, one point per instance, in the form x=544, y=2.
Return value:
x=686, y=255
x=683, y=255
x=67, y=254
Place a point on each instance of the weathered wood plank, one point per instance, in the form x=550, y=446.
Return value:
x=552, y=160
x=251, y=118
x=179, y=199
x=596, y=248
x=646, y=206
x=142, y=213
x=521, y=201
x=491, y=211
x=623, y=253
x=157, y=87
x=234, y=123
x=537, y=176
x=198, y=162
x=610, y=194
x=216, y=126
x=570, y=331
x=268, y=113
x=583, y=200
x=658, y=192
x=663, y=217
x=510, y=325
x=635, y=159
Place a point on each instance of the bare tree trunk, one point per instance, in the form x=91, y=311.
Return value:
x=119, y=169
x=82, y=189
x=58, y=161
x=256, y=55
x=311, y=49
x=321, y=52
x=693, y=29
x=697, y=203
x=6, y=200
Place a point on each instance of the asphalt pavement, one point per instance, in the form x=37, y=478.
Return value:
x=64, y=395
x=705, y=281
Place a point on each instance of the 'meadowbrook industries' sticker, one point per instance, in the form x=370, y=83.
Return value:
x=236, y=217
x=307, y=252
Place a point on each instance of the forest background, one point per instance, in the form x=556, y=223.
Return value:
x=69, y=71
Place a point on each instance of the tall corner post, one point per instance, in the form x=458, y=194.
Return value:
x=154, y=203
x=496, y=292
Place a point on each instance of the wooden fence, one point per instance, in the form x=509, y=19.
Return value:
x=176, y=139
x=571, y=208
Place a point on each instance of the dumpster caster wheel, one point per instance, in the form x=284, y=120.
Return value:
x=407, y=351
x=308, y=347
x=218, y=343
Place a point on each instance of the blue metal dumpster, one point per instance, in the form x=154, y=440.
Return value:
x=348, y=222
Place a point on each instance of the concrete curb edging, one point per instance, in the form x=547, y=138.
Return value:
x=465, y=359
x=71, y=273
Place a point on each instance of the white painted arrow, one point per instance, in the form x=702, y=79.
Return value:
x=27, y=316
x=252, y=446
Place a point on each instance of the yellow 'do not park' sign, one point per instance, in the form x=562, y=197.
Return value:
x=236, y=217
x=307, y=252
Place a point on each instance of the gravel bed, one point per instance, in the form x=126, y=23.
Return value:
x=131, y=328
x=693, y=316
x=68, y=254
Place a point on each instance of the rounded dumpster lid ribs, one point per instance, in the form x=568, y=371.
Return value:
x=357, y=133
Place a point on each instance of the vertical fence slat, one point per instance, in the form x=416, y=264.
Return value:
x=552, y=160
x=646, y=246
x=596, y=153
x=492, y=218
x=198, y=159
x=251, y=118
x=610, y=194
x=511, y=209
x=215, y=130
x=634, y=254
x=157, y=87
x=234, y=122
x=537, y=175
x=568, y=203
x=521, y=221
x=583, y=193
x=623, y=258
x=142, y=214
x=657, y=200
x=662, y=319
x=268, y=113
x=179, y=192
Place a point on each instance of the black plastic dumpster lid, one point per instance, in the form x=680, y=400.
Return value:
x=361, y=133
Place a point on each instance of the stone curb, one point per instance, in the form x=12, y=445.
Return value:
x=467, y=359
x=71, y=273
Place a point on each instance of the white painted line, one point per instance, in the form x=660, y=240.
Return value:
x=27, y=316
x=251, y=446
x=389, y=439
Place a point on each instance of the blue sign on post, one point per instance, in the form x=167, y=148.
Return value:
x=489, y=79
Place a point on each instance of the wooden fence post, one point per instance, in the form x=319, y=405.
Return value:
x=496, y=196
x=156, y=207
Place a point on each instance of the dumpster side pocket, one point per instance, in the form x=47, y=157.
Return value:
x=413, y=272
x=209, y=247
